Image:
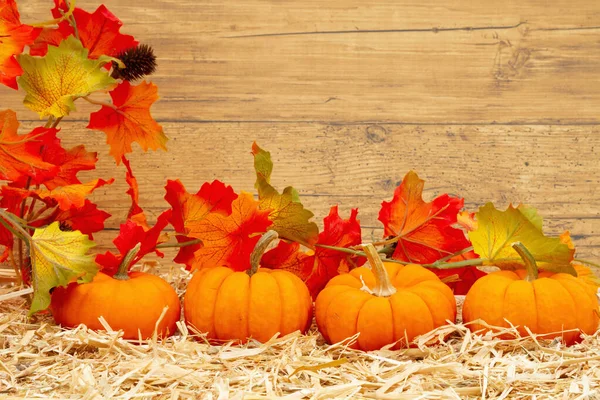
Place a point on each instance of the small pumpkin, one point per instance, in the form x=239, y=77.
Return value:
x=546, y=303
x=257, y=303
x=132, y=302
x=386, y=303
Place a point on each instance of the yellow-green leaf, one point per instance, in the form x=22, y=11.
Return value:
x=54, y=81
x=498, y=230
x=290, y=219
x=58, y=258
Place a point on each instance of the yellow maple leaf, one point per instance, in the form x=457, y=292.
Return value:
x=54, y=81
x=58, y=258
x=497, y=230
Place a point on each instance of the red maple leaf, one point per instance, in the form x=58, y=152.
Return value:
x=214, y=197
x=20, y=155
x=68, y=162
x=423, y=231
x=465, y=277
x=129, y=119
x=98, y=32
x=288, y=256
x=130, y=234
x=337, y=232
x=14, y=36
x=228, y=240
x=11, y=202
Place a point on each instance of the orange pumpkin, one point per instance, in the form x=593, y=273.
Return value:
x=257, y=303
x=546, y=303
x=386, y=304
x=132, y=302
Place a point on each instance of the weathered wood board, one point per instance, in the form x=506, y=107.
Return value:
x=492, y=101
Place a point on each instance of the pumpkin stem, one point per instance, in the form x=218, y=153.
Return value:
x=383, y=286
x=127, y=260
x=528, y=259
x=259, y=250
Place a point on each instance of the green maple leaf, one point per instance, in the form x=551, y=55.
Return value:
x=58, y=258
x=290, y=219
x=498, y=230
x=54, y=81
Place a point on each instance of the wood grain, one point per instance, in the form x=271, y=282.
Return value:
x=491, y=101
x=384, y=61
x=554, y=168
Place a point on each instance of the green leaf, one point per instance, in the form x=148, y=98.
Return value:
x=498, y=230
x=54, y=81
x=58, y=258
x=290, y=219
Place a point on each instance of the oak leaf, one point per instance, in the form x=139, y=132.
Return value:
x=129, y=119
x=228, y=240
x=20, y=155
x=54, y=81
x=423, y=231
x=290, y=219
x=58, y=258
x=498, y=230
x=14, y=36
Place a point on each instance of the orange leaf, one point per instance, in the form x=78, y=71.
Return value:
x=20, y=154
x=71, y=195
x=136, y=213
x=129, y=120
x=14, y=36
x=423, y=231
x=229, y=239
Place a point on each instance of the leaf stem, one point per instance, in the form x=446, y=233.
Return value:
x=179, y=244
x=99, y=103
x=57, y=20
x=11, y=256
x=259, y=250
x=13, y=226
x=49, y=123
x=55, y=124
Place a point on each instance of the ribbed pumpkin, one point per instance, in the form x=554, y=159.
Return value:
x=547, y=303
x=386, y=303
x=257, y=303
x=130, y=302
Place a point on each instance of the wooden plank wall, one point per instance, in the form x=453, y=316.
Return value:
x=492, y=101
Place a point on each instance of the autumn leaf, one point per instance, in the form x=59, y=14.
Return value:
x=14, y=36
x=58, y=258
x=228, y=240
x=290, y=219
x=98, y=32
x=68, y=164
x=54, y=81
x=423, y=231
x=129, y=119
x=289, y=256
x=498, y=230
x=130, y=235
x=336, y=232
x=136, y=213
x=466, y=220
x=189, y=209
x=71, y=195
x=20, y=155
x=87, y=219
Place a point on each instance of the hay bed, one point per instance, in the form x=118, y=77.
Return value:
x=38, y=359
